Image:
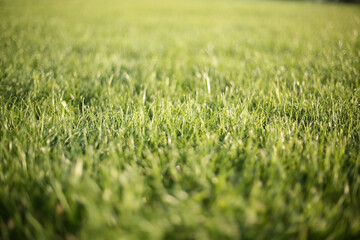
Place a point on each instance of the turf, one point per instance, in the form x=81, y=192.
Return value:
x=179, y=120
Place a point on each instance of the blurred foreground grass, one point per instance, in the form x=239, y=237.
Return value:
x=179, y=120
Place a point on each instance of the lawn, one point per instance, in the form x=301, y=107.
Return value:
x=179, y=120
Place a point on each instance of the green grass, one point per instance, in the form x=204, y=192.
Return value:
x=179, y=120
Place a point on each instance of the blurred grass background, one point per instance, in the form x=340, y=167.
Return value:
x=179, y=120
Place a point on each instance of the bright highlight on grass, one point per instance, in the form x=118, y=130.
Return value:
x=179, y=120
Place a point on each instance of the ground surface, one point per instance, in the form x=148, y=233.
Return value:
x=179, y=120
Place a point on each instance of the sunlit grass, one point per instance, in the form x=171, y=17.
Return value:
x=179, y=120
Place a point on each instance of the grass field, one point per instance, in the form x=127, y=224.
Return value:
x=179, y=120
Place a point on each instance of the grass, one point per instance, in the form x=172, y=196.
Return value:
x=179, y=120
